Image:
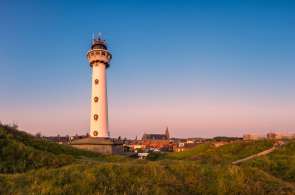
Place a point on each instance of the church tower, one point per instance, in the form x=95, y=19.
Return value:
x=167, y=133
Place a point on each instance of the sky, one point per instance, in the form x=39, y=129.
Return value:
x=202, y=68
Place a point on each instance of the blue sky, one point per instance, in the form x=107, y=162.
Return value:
x=203, y=68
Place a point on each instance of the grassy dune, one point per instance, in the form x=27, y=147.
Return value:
x=208, y=153
x=145, y=178
x=203, y=170
x=20, y=152
x=280, y=163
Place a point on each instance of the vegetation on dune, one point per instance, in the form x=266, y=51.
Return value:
x=208, y=153
x=180, y=177
x=16, y=156
x=43, y=144
x=57, y=169
x=237, y=150
x=280, y=163
x=20, y=152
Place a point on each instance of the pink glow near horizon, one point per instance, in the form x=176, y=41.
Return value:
x=202, y=118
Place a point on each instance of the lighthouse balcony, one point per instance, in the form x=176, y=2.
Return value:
x=100, y=56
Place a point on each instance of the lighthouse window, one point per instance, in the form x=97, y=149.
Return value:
x=95, y=99
x=97, y=52
x=95, y=133
x=96, y=81
x=95, y=116
x=103, y=53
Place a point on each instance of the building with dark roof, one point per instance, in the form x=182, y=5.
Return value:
x=164, y=136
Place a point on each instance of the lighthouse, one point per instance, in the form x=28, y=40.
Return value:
x=99, y=59
x=98, y=140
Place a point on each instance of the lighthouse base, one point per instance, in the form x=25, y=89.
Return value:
x=99, y=145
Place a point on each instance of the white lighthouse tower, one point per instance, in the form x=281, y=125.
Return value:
x=99, y=58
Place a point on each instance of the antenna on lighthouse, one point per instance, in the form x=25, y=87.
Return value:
x=93, y=37
x=96, y=36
